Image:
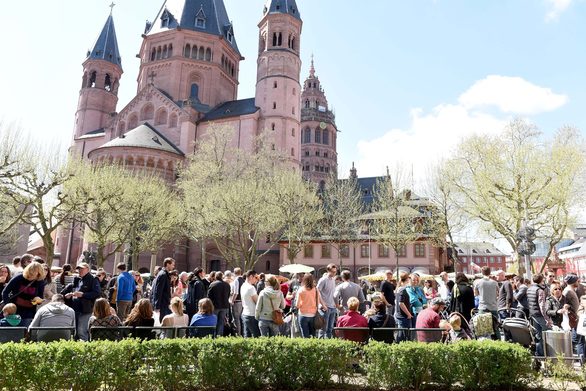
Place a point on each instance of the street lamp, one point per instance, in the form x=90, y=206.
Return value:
x=526, y=236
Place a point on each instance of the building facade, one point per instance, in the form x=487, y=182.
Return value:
x=474, y=255
x=188, y=84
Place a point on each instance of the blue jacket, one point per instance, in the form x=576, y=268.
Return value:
x=126, y=287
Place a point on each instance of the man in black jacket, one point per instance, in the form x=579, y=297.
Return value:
x=82, y=294
x=537, y=303
x=219, y=294
x=197, y=291
x=161, y=293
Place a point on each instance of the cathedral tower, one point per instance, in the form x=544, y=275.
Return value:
x=278, y=69
x=102, y=70
x=319, y=157
x=189, y=51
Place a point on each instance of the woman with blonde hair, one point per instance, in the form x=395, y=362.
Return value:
x=26, y=291
x=177, y=318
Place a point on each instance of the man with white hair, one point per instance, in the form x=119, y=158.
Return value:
x=236, y=299
x=442, y=287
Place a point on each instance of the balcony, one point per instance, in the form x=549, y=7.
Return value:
x=319, y=116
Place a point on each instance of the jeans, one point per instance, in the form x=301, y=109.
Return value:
x=221, y=314
x=391, y=310
x=495, y=322
x=123, y=309
x=237, y=314
x=306, y=326
x=82, y=326
x=578, y=342
x=268, y=328
x=330, y=317
x=403, y=335
x=250, y=324
x=540, y=326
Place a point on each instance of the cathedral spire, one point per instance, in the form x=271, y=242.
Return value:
x=312, y=68
x=106, y=46
x=282, y=7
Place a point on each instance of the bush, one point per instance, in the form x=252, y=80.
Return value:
x=177, y=364
x=473, y=365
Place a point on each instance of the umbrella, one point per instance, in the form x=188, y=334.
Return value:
x=295, y=268
x=374, y=277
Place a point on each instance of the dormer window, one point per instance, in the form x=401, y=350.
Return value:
x=200, y=19
x=165, y=19
x=229, y=36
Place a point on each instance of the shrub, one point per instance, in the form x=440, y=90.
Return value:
x=469, y=364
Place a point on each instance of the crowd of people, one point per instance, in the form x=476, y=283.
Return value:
x=252, y=305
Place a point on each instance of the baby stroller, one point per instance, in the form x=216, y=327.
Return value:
x=483, y=325
x=519, y=330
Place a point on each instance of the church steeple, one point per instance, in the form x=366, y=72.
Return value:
x=282, y=7
x=98, y=96
x=106, y=46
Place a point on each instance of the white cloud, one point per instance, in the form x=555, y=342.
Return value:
x=511, y=95
x=433, y=135
x=556, y=8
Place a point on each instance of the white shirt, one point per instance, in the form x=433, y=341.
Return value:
x=247, y=292
x=442, y=289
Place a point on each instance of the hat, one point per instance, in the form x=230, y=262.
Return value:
x=56, y=269
x=82, y=265
x=437, y=301
x=571, y=279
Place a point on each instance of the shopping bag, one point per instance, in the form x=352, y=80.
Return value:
x=566, y=322
x=581, y=328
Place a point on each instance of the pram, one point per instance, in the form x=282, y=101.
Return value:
x=519, y=329
x=483, y=324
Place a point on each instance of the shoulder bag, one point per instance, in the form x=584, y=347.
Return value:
x=277, y=315
x=318, y=320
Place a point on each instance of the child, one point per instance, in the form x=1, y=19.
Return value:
x=456, y=332
x=10, y=318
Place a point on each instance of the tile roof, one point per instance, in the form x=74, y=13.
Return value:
x=283, y=7
x=234, y=108
x=106, y=46
x=144, y=136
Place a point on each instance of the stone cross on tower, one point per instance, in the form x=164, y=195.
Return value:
x=112, y=7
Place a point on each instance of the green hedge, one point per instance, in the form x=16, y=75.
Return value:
x=177, y=364
x=472, y=365
x=253, y=364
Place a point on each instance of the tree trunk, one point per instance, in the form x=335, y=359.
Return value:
x=49, y=248
x=153, y=263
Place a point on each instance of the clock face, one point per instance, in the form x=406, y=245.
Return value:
x=322, y=125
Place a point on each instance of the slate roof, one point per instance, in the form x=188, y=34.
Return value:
x=478, y=249
x=144, y=136
x=183, y=14
x=106, y=46
x=94, y=133
x=282, y=7
x=234, y=108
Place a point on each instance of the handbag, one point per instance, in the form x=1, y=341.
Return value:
x=573, y=319
x=318, y=320
x=277, y=315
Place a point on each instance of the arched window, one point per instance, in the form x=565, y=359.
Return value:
x=292, y=151
x=326, y=137
x=280, y=40
x=173, y=120
x=307, y=104
x=92, y=82
x=147, y=112
x=274, y=39
x=318, y=136
x=159, y=53
x=194, y=52
x=187, y=51
x=293, y=132
x=268, y=266
x=161, y=117
x=293, y=43
x=307, y=136
x=164, y=51
x=170, y=51
x=272, y=126
x=208, y=54
x=201, y=55
x=194, y=92
x=132, y=121
x=107, y=83
x=274, y=105
x=153, y=54
x=275, y=84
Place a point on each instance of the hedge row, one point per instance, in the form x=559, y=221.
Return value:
x=253, y=364
x=472, y=365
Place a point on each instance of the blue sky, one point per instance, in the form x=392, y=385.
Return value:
x=407, y=79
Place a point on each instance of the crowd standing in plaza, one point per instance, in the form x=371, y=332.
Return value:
x=251, y=305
